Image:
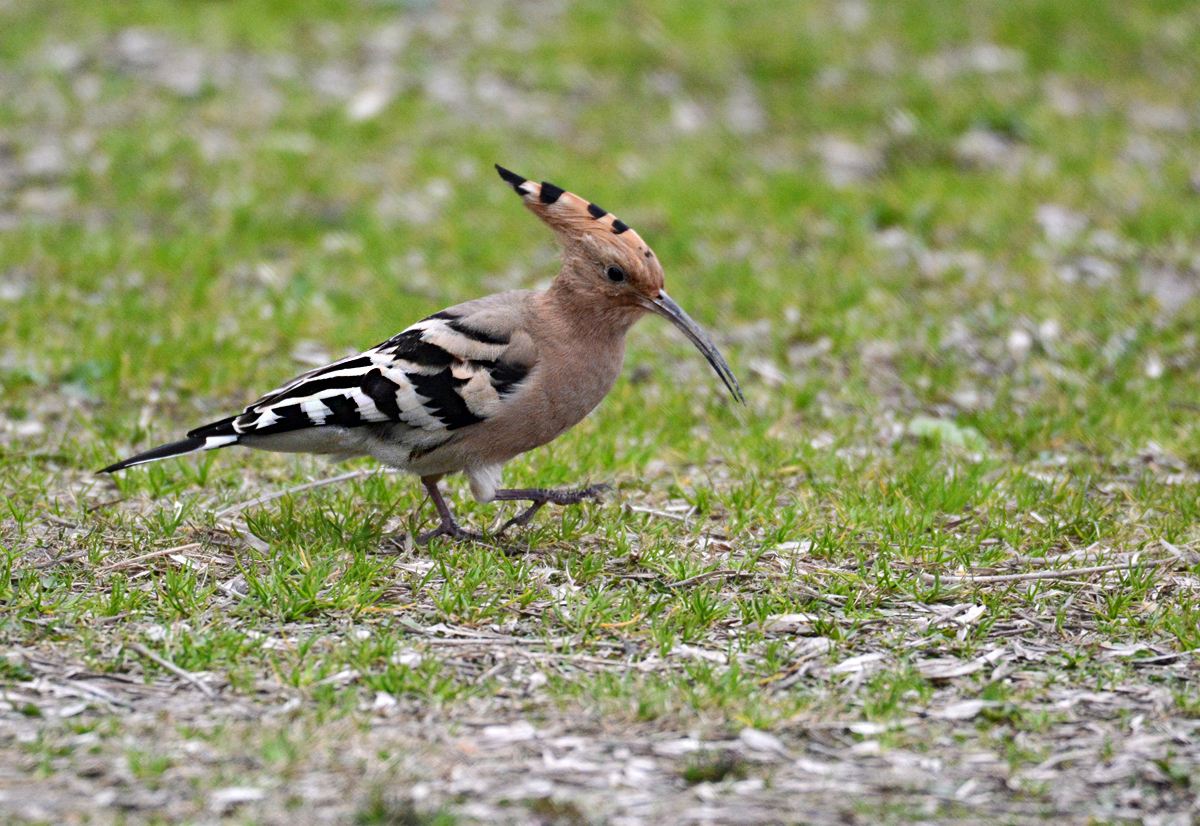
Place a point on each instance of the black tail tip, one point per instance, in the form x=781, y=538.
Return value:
x=511, y=178
x=113, y=468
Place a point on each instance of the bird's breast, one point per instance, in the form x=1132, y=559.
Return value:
x=563, y=388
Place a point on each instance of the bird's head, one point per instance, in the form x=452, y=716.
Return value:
x=609, y=266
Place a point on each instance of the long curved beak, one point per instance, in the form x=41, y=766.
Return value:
x=663, y=305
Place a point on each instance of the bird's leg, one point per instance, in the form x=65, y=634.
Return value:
x=448, y=526
x=542, y=496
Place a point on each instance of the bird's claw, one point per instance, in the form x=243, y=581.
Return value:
x=521, y=518
x=539, y=498
x=449, y=530
x=590, y=492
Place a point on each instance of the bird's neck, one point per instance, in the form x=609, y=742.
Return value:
x=581, y=346
x=587, y=316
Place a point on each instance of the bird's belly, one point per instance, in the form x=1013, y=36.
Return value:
x=540, y=412
x=340, y=441
x=395, y=447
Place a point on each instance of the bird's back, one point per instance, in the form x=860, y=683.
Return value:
x=406, y=397
x=577, y=361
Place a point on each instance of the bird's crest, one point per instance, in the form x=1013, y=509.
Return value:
x=567, y=213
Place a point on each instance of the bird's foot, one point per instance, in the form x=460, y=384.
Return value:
x=543, y=496
x=446, y=525
x=450, y=530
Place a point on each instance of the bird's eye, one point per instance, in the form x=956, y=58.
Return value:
x=614, y=273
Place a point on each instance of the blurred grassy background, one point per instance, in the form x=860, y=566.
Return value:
x=950, y=248
x=917, y=231
x=220, y=181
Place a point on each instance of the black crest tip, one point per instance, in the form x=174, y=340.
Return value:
x=511, y=178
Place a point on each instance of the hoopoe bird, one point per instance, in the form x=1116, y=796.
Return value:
x=471, y=387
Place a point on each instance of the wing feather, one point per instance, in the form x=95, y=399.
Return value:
x=451, y=370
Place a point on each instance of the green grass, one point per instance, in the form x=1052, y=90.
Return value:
x=936, y=387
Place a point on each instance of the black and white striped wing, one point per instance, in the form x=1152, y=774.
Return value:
x=441, y=374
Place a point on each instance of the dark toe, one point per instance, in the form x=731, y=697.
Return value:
x=576, y=496
x=456, y=533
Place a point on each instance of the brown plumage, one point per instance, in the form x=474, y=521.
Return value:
x=472, y=386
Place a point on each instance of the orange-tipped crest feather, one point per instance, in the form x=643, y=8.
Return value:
x=609, y=273
x=567, y=213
